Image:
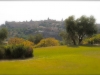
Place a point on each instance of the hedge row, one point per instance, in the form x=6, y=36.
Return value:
x=18, y=51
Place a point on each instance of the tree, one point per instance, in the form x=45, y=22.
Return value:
x=31, y=38
x=71, y=28
x=79, y=28
x=64, y=36
x=36, y=38
x=3, y=34
x=85, y=27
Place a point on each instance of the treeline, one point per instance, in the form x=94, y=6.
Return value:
x=48, y=28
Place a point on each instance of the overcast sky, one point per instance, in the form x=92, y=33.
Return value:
x=41, y=10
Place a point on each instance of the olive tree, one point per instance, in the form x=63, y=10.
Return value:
x=79, y=28
x=71, y=28
x=85, y=27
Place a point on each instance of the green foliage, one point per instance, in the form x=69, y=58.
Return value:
x=71, y=28
x=48, y=42
x=31, y=38
x=63, y=34
x=2, y=52
x=15, y=40
x=3, y=34
x=92, y=40
x=49, y=28
x=79, y=28
x=85, y=27
x=36, y=38
x=16, y=52
x=8, y=52
x=20, y=48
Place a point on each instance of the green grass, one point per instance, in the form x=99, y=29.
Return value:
x=56, y=60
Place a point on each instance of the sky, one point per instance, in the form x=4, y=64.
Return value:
x=41, y=10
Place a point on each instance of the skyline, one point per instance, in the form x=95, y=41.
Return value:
x=41, y=10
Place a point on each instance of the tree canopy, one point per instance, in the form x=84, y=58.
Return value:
x=79, y=28
x=71, y=28
x=3, y=34
x=85, y=27
x=36, y=38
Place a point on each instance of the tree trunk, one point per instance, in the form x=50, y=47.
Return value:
x=80, y=40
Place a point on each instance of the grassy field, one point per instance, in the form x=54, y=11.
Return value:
x=56, y=60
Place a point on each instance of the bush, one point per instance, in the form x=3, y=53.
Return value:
x=17, y=48
x=8, y=52
x=15, y=41
x=48, y=42
x=2, y=53
x=18, y=51
x=28, y=43
x=29, y=52
x=92, y=40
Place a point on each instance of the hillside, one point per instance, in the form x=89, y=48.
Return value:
x=49, y=28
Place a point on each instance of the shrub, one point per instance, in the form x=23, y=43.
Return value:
x=2, y=52
x=28, y=43
x=29, y=52
x=15, y=40
x=48, y=42
x=92, y=40
x=8, y=52
x=17, y=48
x=18, y=51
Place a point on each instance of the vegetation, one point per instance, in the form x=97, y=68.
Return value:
x=18, y=51
x=85, y=27
x=94, y=40
x=65, y=39
x=56, y=60
x=78, y=29
x=3, y=34
x=36, y=38
x=48, y=28
x=48, y=42
x=71, y=28
x=17, y=48
x=15, y=40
